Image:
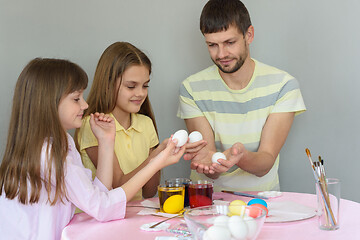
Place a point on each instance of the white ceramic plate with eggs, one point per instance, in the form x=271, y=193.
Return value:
x=288, y=211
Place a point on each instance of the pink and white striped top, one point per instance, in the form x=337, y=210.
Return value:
x=42, y=221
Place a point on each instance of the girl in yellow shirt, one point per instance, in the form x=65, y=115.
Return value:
x=120, y=88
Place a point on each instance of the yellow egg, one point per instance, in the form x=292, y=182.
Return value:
x=174, y=204
x=237, y=207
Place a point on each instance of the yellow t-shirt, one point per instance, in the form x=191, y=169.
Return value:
x=132, y=145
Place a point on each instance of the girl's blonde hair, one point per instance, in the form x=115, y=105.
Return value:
x=34, y=121
x=112, y=64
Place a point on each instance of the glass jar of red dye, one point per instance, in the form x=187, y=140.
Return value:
x=200, y=193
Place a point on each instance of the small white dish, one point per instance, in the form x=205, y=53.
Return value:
x=160, y=227
x=270, y=194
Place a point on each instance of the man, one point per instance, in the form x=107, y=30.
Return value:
x=242, y=107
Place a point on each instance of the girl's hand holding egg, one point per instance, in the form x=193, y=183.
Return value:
x=170, y=155
x=181, y=136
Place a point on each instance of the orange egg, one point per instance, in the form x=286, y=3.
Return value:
x=255, y=211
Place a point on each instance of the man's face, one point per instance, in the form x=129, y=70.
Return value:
x=228, y=49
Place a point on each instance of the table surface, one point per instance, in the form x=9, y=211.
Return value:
x=82, y=226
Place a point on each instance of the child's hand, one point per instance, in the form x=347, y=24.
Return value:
x=103, y=126
x=169, y=155
x=163, y=144
x=158, y=149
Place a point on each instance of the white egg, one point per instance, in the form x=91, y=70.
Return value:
x=195, y=136
x=238, y=227
x=217, y=233
x=205, y=236
x=216, y=156
x=221, y=221
x=252, y=227
x=181, y=136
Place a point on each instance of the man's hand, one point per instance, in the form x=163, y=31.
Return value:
x=198, y=153
x=237, y=152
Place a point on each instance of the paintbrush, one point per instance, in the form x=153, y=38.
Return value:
x=244, y=194
x=310, y=159
x=312, y=164
x=322, y=169
x=157, y=224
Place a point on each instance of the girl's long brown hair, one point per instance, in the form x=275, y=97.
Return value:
x=112, y=64
x=35, y=121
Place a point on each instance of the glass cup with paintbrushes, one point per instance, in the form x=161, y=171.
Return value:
x=328, y=195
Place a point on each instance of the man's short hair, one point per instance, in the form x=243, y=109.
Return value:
x=218, y=15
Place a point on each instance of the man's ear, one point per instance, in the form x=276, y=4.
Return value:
x=249, y=35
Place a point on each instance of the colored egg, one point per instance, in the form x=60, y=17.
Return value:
x=174, y=204
x=253, y=212
x=216, y=156
x=258, y=213
x=257, y=200
x=237, y=207
x=195, y=136
x=181, y=136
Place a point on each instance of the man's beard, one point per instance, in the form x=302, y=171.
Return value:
x=236, y=67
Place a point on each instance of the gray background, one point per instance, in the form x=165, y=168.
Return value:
x=315, y=41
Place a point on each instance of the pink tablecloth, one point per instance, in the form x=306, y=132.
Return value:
x=84, y=227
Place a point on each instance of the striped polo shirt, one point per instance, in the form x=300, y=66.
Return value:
x=239, y=115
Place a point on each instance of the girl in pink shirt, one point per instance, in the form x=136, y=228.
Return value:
x=42, y=178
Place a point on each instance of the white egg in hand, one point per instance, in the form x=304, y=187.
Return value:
x=217, y=233
x=181, y=136
x=195, y=136
x=216, y=156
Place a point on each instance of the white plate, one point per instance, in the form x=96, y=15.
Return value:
x=270, y=194
x=288, y=211
x=161, y=227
